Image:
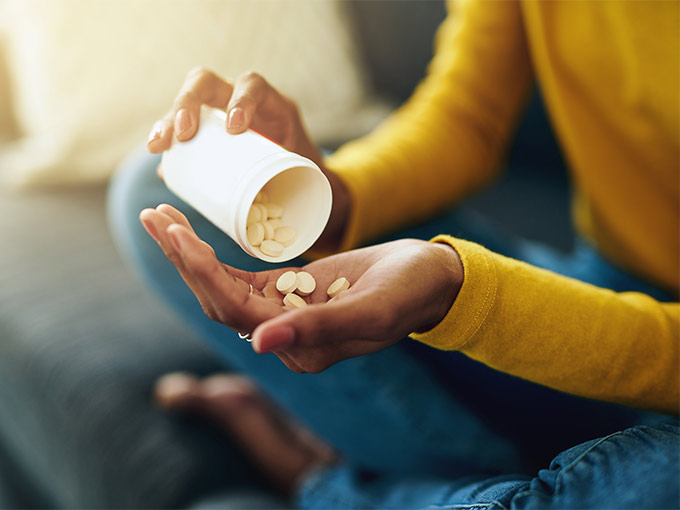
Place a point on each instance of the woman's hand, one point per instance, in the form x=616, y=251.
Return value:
x=396, y=288
x=250, y=102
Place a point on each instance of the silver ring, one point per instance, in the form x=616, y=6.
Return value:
x=245, y=336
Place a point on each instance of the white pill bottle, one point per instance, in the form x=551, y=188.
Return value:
x=220, y=174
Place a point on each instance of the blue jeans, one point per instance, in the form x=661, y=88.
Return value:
x=635, y=468
x=408, y=412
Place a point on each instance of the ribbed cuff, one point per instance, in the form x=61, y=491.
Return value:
x=474, y=301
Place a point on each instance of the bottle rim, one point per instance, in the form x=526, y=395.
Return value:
x=260, y=174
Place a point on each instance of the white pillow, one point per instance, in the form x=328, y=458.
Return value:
x=89, y=77
x=7, y=128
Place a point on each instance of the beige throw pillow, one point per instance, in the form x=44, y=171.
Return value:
x=7, y=127
x=89, y=77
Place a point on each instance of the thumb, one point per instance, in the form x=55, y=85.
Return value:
x=358, y=317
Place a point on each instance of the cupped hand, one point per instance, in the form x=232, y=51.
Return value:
x=396, y=288
x=250, y=102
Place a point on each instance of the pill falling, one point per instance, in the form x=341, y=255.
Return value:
x=287, y=282
x=338, y=286
x=294, y=301
x=271, y=248
x=305, y=283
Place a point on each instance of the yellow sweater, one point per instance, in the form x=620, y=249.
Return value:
x=609, y=73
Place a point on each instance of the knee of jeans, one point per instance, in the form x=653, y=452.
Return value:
x=635, y=468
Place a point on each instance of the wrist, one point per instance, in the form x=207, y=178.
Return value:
x=335, y=229
x=449, y=275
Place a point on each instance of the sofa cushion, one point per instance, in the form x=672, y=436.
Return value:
x=81, y=345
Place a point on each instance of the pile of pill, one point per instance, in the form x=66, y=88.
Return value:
x=264, y=228
x=293, y=285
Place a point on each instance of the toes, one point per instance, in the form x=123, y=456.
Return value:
x=226, y=399
x=176, y=390
x=216, y=397
x=221, y=399
x=230, y=387
x=277, y=444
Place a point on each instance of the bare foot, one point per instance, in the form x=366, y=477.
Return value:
x=284, y=450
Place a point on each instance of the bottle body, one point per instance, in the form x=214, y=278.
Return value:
x=221, y=174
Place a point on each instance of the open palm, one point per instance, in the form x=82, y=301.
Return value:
x=396, y=288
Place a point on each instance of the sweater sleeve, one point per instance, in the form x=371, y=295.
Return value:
x=450, y=136
x=563, y=333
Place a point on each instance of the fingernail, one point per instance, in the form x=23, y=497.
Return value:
x=156, y=133
x=236, y=118
x=177, y=239
x=148, y=226
x=183, y=121
x=276, y=338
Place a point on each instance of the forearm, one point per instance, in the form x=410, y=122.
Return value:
x=563, y=333
x=451, y=136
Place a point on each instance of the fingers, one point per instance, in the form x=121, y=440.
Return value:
x=358, y=317
x=201, y=86
x=156, y=224
x=249, y=93
x=251, y=102
x=160, y=137
x=223, y=292
x=254, y=102
x=175, y=215
x=312, y=360
x=178, y=217
x=230, y=300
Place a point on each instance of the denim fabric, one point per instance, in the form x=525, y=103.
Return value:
x=636, y=468
x=403, y=411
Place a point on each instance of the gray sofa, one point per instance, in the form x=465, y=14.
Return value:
x=69, y=308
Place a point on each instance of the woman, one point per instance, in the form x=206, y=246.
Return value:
x=597, y=324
